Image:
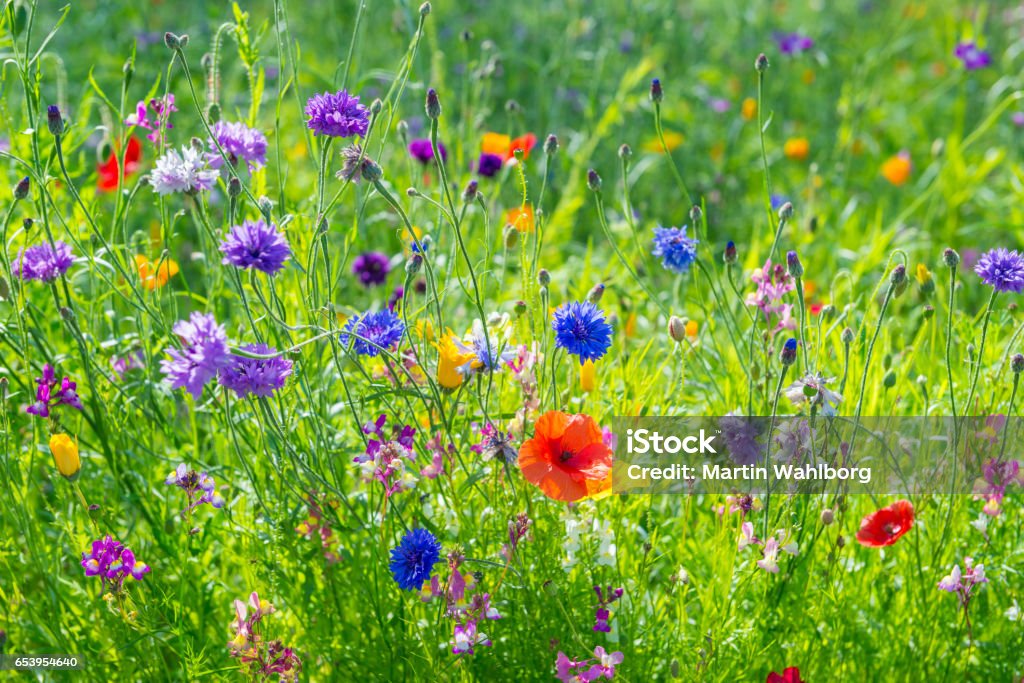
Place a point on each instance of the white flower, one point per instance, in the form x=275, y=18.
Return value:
x=186, y=171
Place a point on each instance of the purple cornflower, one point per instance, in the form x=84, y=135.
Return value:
x=396, y=297
x=198, y=486
x=50, y=393
x=602, y=615
x=793, y=43
x=384, y=459
x=489, y=164
x=240, y=143
x=162, y=108
x=254, y=244
x=582, y=329
x=372, y=332
x=740, y=434
x=414, y=558
x=186, y=171
x=255, y=376
x=423, y=152
x=677, y=251
x=371, y=268
x=113, y=563
x=43, y=262
x=972, y=56
x=337, y=115
x=1002, y=269
x=204, y=354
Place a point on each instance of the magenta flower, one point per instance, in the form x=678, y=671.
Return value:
x=962, y=583
x=50, y=393
x=113, y=563
x=385, y=458
x=602, y=615
x=601, y=666
x=371, y=268
x=198, y=486
x=162, y=109
x=423, y=151
x=972, y=56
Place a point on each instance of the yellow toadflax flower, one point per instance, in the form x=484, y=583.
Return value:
x=65, y=455
x=450, y=359
x=155, y=275
x=588, y=376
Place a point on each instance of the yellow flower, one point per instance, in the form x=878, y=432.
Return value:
x=425, y=329
x=630, y=327
x=588, y=376
x=797, y=149
x=65, y=454
x=808, y=76
x=691, y=329
x=749, y=109
x=896, y=169
x=155, y=275
x=924, y=279
x=672, y=141
x=450, y=359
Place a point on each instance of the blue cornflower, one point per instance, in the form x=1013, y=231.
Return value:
x=203, y=354
x=677, y=251
x=257, y=376
x=373, y=331
x=1002, y=269
x=581, y=329
x=414, y=558
x=254, y=244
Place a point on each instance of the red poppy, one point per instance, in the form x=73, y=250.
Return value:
x=107, y=175
x=523, y=142
x=790, y=675
x=567, y=457
x=886, y=526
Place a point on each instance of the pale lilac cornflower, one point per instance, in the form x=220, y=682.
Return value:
x=185, y=171
x=51, y=393
x=43, y=262
x=773, y=284
x=385, y=458
x=255, y=376
x=255, y=244
x=972, y=56
x=601, y=615
x=203, y=355
x=262, y=658
x=113, y=563
x=162, y=108
x=1001, y=269
x=813, y=390
x=240, y=143
x=337, y=115
x=198, y=486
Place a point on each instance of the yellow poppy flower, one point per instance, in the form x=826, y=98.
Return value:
x=65, y=455
x=588, y=376
x=155, y=275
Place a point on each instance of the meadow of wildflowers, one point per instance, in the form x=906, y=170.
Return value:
x=315, y=317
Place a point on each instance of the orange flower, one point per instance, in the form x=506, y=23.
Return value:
x=505, y=147
x=691, y=329
x=567, y=457
x=749, y=108
x=153, y=276
x=896, y=169
x=521, y=217
x=523, y=142
x=797, y=149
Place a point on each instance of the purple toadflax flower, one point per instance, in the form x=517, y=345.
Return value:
x=1002, y=269
x=255, y=376
x=113, y=563
x=601, y=666
x=186, y=171
x=338, y=115
x=602, y=615
x=254, y=244
x=43, y=262
x=261, y=658
x=385, y=458
x=198, y=486
x=50, y=393
x=240, y=143
x=162, y=108
x=371, y=268
x=972, y=56
x=203, y=356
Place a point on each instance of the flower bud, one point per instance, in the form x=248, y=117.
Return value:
x=543, y=277
x=827, y=516
x=510, y=236
x=5, y=289
x=376, y=106
x=469, y=194
x=65, y=455
x=950, y=258
x=593, y=180
x=234, y=187
x=730, y=255
x=67, y=314
x=519, y=308
x=847, y=335
x=413, y=265
x=786, y=211
x=433, y=105
x=696, y=215
x=796, y=269
x=889, y=381
x=898, y=279
x=1017, y=363
x=596, y=293
x=95, y=512
x=265, y=205
x=424, y=9
x=21, y=189
x=403, y=131
x=551, y=144
x=788, y=355
x=924, y=279
x=172, y=41
x=54, y=120
x=625, y=152
x=761, y=63
x=676, y=328
x=656, y=94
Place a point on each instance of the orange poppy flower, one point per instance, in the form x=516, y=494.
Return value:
x=567, y=457
x=108, y=173
x=523, y=142
x=797, y=149
x=505, y=146
x=896, y=169
x=886, y=526
x=151, y=275
x=521, y=217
